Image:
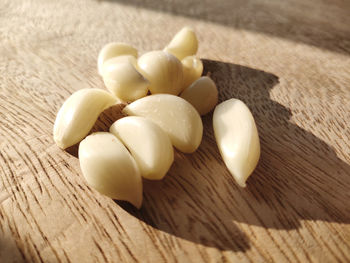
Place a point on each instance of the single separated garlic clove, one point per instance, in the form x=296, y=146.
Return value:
x=114, y=49
x=237, y=138
x=109, y=168
x=183, y=44
x=192, y=70
x=148, y=144
x=178, y=118
x=120, y=59
x=163, y=71
x=78, y=114
x=122, y=78
x=202, y=94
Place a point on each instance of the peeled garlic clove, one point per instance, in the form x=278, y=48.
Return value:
x=202, y=94
x=109, y=168
x=237, y=138
x=119, y=59
x=78, y=114
x=122, y=78
x=163, y=71
x=192, y=70
x=178, y=118
x=148, y=144
x=114, y=49
x=183, y=44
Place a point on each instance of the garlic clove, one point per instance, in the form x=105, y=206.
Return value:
x=148, y=144
x=183, y=44
x=202, y=94
x=119, y=59
x=78, y=114
x=178, y=118
x=122, y=78
x=114, y=49
x=109, y=168
x=163, y=71
x=192, y=70
x=237, y=138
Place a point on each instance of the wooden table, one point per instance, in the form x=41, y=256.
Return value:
x=288, y=60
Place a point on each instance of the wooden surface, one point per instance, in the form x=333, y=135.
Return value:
x=288, y=60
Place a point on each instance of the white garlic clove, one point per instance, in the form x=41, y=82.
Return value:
x=202, y=94
x=183, y=44
x=237, y=138
x=114, y=49
x=178, y=118
x=109, y=168
x=163, y=71
x=122, y=78
x=148, y=144
x=192, y=70
x=78, y=114
x=120, y=59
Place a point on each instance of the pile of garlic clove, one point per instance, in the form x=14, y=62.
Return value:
x=165, y=96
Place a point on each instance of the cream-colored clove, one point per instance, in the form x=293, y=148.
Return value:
x=122, y=78
x=78, y=114
x=192, y=70
x=148, y=144
x=163, y=71
x=183, y=44
x=237, y=138
x=114, y=49
x=178, y=118
x=202, y=94
x=109, y=168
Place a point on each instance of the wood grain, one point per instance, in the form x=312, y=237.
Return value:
x=288, y=60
